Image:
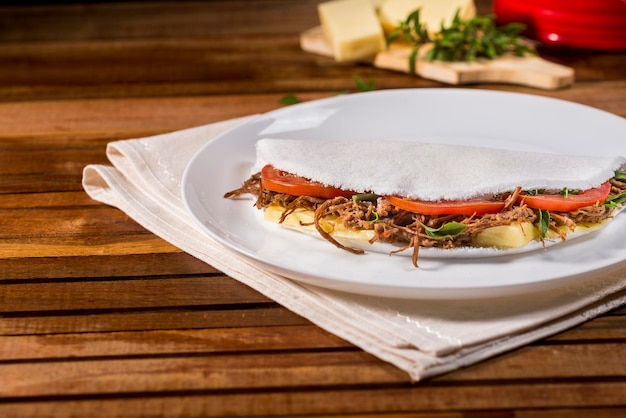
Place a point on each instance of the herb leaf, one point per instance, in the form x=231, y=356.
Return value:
x=362, y=85
x=614, y=201
x=289, y=99
x=462, y=40
x=447, y=231
x=544, y=222
x=362, y=197
x=620, y=175
x=566, y=191
x=413, y=32
x=535, y=192
x=478, y=37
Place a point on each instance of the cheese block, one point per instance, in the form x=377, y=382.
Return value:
x=303, y=220
x=352, y=29
x=515, y=235
x=432, y=12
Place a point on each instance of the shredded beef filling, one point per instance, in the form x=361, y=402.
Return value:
x=406, y=229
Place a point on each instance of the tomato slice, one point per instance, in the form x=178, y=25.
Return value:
x=560, y=203
x=282, y=182
x=447, y=207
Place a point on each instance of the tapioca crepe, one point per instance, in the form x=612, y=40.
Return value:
x=415, y=195
x=432, y=171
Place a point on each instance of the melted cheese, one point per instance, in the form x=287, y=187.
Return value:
x=505, y=237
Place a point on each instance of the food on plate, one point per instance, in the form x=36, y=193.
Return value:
x=429, y=195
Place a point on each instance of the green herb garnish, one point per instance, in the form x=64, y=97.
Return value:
x=620, y=175
x=413, y=32
x=463, y=40
x=614, y=201
x=289, y=99
x=544, y=222
x=478, y=37
x=365, y=197
x=535, y=192
x=565, y=192
x=362, y=85
x=447, y=231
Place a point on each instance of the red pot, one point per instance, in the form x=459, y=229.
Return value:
x=585, y=24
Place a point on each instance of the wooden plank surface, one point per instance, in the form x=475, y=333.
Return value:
x=98, y=317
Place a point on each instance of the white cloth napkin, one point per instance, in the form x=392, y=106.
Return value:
x=423, y=338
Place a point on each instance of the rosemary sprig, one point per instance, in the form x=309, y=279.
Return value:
x=479, y=37
x=412, y=32
x=462, y=40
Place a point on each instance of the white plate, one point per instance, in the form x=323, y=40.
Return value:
x=461, y=116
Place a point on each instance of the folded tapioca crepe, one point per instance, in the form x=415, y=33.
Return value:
x=412, y=195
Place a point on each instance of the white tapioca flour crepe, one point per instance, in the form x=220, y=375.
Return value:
x=430, y=171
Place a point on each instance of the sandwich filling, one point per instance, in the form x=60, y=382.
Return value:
x=445, y=212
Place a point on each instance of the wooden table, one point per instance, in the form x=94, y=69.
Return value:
x=99, y=317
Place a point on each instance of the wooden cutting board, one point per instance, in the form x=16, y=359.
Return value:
x=532, y=71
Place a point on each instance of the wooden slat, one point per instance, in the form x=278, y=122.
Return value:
x=121, y=118
x=610, y=327
x=488, y=397
x=44, y=231
x=16, y=160
x=31, y=267
x=314, y=368
x=69, y=221
x=550, y=361
x=237, y=372
x=293, y=370
x=39, y=183
x=51, y=200
x=160, y=68
x=124, y=294
x=198, y=317
x=164, y=19
x=78, y=246
x=577, y=361
x=96, y=62
x=297, y=335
